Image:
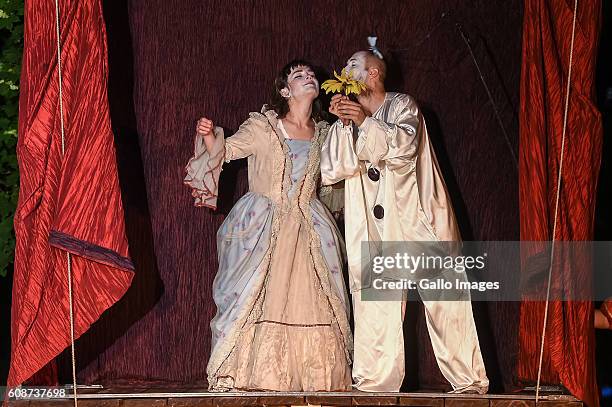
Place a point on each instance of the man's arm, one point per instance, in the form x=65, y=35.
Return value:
x=394, y=143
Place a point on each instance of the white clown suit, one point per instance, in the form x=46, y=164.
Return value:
x=394, y=191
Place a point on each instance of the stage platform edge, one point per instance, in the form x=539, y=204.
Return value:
x=145, y=398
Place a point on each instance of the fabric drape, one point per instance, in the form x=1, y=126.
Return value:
x=569, y=356
x=68, y=202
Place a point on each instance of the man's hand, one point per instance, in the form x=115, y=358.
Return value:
x=333, y=107
x=349, y=110
x=205, y=127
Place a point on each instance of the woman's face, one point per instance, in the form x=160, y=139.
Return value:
x=302, y=83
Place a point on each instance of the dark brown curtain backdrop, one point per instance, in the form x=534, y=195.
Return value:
x=181, y=59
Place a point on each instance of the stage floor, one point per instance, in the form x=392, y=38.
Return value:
x=152, y=397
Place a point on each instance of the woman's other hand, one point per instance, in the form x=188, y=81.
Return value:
x=205, y=127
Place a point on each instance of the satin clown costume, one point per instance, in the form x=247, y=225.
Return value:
x=394, y=188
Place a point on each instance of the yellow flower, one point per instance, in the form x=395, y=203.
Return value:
x=345, y=83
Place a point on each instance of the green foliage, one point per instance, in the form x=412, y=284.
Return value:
x=11, y=48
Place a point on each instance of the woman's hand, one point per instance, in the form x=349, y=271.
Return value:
x=334, y=104
x=205, y=127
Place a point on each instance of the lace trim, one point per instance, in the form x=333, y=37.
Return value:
x=306, y=189
x=228, y=154
x=325, y=190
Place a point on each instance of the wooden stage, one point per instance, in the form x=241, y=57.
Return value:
x=151, y=397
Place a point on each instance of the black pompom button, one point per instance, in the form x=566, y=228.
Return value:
x=373, y=174
x=379, y=212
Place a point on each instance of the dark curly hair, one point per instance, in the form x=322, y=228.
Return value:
x=278, y=103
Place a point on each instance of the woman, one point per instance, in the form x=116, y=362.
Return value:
x=282, y=308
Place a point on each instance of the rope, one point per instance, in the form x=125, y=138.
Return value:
x=489, y=95
x=68, y=259
x=552, y=249
x=466, y=40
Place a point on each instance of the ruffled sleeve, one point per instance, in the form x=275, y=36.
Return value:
x=338, y=158
x=204, y=168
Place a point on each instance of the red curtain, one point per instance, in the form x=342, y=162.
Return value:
x=569, y=356
x=68, y=202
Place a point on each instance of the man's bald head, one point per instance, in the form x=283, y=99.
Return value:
x=372, y=61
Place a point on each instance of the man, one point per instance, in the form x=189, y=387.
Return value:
x=394, y=191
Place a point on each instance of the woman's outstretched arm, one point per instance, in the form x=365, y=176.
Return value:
x=211, y=149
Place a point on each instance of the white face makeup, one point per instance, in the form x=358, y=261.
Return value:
x=302, y=81
x=357, y=65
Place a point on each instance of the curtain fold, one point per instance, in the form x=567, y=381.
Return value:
x=68, y=201
x=569, y=350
